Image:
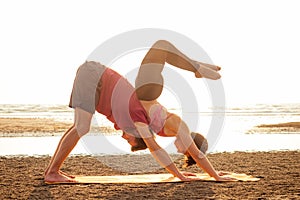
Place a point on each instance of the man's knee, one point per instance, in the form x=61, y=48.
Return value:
x=82, y=129
x=82, y=121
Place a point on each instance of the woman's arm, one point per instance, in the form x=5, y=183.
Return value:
x=204, y=163
x=184, y=143
x=161, y=156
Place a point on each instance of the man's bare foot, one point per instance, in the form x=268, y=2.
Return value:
x=206, y=72
x=61, y=172
x=67, y=175
x=56, y=177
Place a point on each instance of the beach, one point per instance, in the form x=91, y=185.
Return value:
x=40, y=127
x=279, y=173
x=21, y=176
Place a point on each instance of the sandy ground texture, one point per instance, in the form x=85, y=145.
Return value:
x=281, y=128
x=22, y=178
x=14, y=127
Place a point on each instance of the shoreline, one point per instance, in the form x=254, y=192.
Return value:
x=175, y=155
x=39, y=127
x=22, y=178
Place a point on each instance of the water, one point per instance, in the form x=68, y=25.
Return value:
x=233, y=137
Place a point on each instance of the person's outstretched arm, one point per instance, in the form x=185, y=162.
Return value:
x=204, y=163
x=161, y=156
x=185, y=143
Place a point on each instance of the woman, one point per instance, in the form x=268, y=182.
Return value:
x=149, y=86
x=98, y=88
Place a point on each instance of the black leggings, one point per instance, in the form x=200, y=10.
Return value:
x=149, y=82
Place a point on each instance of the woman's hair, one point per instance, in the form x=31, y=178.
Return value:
x=201, y=143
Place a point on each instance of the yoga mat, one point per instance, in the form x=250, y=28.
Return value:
x=148, y=178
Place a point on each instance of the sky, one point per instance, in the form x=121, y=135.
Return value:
x=257, y=43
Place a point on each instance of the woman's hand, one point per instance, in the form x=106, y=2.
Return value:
x=225, y=178
x=222, y=177
x=188, y=176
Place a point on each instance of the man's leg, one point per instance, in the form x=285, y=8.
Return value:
x=65, y=146
x=59, y=144
x=149, y=82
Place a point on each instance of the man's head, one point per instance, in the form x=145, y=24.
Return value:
x=136, y=143
x=139, y=144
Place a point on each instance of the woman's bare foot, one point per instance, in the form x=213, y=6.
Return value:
x=213, y=67
x=206, y=72
x=57, y=177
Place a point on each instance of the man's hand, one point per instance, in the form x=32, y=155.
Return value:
x=188, y=174
x=222, y=173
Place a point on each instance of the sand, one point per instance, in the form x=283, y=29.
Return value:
x=287, y=128
x=22, y=178
x=14, y=127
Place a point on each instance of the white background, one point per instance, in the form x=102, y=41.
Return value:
x=256, y=43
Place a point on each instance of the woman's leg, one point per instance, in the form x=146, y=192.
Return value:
x=149, y=82
x=163, y=51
